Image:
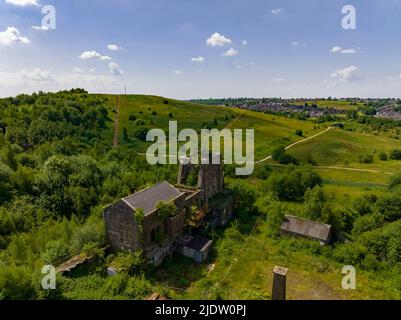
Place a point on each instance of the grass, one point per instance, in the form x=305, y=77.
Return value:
x=343, y=148
x=270, y=131
x=250, y=274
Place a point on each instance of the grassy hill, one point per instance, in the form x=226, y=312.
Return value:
x=156, y=112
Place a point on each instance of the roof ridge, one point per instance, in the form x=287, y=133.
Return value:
x=308, y=220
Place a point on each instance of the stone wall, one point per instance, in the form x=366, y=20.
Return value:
x=121, y=227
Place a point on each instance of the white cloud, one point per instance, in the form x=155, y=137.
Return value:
x=216, y=39
x=179, y=72
x=347, y=74
x=11, y=35
x=276, y=12
x=42, y=28
x=230, y=53
x=77, y=70
x=198, y=59
x=295, y=43
x=244, y=42
x=93, y=55
x=23, y=3
x=92, y=70
x=348, y=51
x=278, y=79
x=337, y=49
x=37, y=75
x=114, y=69
x=113, y=47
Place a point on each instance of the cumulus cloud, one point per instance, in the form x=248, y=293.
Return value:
x=295, y=43
x=244, y=42
x=178, y=72
x=198, y=59
x=114, y=69
x=278, y=79
x=277, y=11
x=230, y=53
x=37, y=75
x=77, y=70
x=347, y=74
x=86, y=55
x=217, y=40
x=10, y=36
x=338, y=49
x=114, y=47
x=23, y=3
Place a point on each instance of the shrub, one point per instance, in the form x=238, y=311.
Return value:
x=141, y=133
x=383, y=156
x=395, y=154
x=299, y=132
x=132, y=117
x=154, y=113
x=282, y=157
x=366, y=158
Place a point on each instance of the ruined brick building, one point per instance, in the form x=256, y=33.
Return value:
x=199, y=198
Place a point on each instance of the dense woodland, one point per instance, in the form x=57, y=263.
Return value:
x=58, y=170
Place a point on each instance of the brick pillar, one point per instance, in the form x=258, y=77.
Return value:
x=279, y=283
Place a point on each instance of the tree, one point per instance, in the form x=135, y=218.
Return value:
x=141, y=133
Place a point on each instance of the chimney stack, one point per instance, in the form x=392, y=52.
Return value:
x=279, y=283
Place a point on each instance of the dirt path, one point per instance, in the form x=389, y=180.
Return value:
x=116, y=122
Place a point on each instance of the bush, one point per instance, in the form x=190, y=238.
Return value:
x=366, y=158
x=141, y=133
x=299, y=132
x=132, y=117
x=282, y=157
x=383, y=156
x=395, y=154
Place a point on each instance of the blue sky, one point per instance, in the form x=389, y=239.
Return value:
x=293, y=48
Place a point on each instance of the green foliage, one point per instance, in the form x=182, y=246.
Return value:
x=165, y=210
x=395, y=154
x=293, y=183
x=282, y=157
x=141, y=133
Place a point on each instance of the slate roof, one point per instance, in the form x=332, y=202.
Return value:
x=148, y=199
x=306, y=228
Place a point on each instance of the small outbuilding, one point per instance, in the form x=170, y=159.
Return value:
x=297, y=226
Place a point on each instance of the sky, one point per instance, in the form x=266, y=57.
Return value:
x=202, y=48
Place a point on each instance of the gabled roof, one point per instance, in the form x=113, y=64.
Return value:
x=306, y=228
x=148, y=199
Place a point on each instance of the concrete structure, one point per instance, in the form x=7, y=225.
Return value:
x=279, y=283
x=297, y=226
x=206, y=200
x=196, y=248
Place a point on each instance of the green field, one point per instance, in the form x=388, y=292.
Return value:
x=343, y=148
x=270, y=131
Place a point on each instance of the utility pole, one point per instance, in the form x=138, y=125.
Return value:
x=125, y=89
x=279, y=283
